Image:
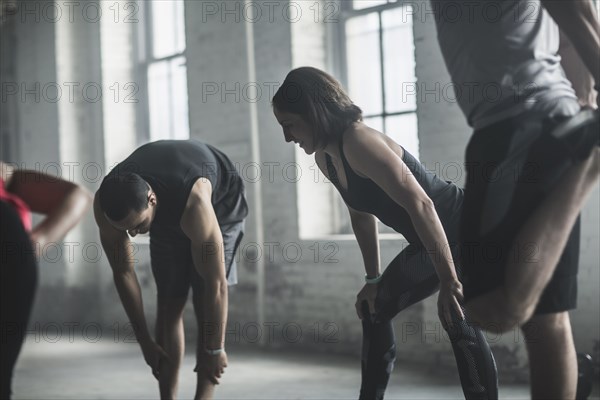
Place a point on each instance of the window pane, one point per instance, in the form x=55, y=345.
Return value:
x=363, y=61
x=181, y=127
x=167, y=95
x=168, y=28
x=399, y=59
x=159, y=99
x=403, y=129
x=360, y=4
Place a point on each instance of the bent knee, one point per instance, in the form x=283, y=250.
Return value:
x=550, y=326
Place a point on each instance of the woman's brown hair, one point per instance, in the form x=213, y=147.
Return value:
x=319, y=99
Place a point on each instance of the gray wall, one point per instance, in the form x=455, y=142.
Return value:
x=306, y=305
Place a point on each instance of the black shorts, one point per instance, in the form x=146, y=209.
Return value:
x=511, y=167
x=172, y=265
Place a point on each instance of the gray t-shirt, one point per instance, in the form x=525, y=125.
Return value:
x=502, y=58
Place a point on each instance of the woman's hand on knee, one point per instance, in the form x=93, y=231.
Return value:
x=449, y=299
x=367, y=294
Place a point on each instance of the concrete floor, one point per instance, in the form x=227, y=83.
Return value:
x=107, y=370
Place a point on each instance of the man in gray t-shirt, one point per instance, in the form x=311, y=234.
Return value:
x=526, y=184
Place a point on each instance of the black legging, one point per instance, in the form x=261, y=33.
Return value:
x=18, y=280
x=408, y=279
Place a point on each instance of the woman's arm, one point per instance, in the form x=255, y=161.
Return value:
x=369, y=154
x=62, y=202
x=365, y=230
x=364, y=226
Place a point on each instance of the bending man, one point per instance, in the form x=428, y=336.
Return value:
x=187, y=195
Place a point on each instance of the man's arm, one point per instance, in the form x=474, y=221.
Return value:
x=577, y=73
x=118, y=249
x=200, y=224
x=577, y=19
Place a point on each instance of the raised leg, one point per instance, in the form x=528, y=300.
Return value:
x=514, y=302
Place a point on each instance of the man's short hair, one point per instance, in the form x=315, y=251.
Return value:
x=122, y=192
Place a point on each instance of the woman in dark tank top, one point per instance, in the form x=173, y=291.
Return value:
x=377, y=178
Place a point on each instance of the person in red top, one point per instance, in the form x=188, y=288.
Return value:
x=63, y=204
x=17, y=204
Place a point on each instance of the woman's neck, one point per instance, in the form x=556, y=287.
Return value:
x=333, y=147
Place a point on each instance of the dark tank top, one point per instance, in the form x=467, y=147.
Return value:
x=364, y=195
x=171, y=167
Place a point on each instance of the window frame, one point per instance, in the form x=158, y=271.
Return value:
x=144, y=59
x=337, y=44
x=346, y=13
